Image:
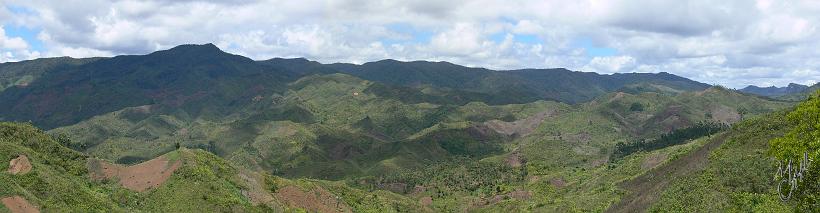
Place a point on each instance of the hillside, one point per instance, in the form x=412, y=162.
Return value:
x=21, y=74
x=512, y=86
x=335, y=127
x=56, y=179
x=199, y=78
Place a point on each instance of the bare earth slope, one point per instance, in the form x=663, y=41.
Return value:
x=140, y=177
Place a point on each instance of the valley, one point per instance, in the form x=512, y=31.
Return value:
x=220, y=132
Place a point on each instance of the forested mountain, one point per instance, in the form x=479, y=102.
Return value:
x=288, y=134
x=802, y=95
x=523, y=85
x=773, y=91
x=201, y=79
x=67, y=91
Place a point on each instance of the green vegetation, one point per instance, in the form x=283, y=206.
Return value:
x=205, y=182
x=290, y=135
x=738, y=177
x=678, y=136
x=331, y=127
x=56, y=179
x=803, y=137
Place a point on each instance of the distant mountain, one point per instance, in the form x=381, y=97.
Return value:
x=511, y=86
x=199, y=78
x=773, y=91
x=204, y=80
x=800, y=96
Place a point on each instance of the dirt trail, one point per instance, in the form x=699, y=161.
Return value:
x=646, y=189
x=17, y=204
x=20, y=165
x=140, y=177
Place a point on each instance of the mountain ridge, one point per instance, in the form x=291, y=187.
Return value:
x=190, y=75
x=773, y=91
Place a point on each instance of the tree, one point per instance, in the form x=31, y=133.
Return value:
x=636, y=107
x=742, y=111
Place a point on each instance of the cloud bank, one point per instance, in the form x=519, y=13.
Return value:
x=732, y=43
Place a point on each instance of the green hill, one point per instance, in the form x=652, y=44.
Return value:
x=333, y=127
x=58, y=180
x=513, y=86
x=221, y=132
x=201, y=79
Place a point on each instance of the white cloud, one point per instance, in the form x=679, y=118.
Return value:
x=14, y=48
x=610, y=64
x=732, y=42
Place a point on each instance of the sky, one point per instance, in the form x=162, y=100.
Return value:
x=729, y=42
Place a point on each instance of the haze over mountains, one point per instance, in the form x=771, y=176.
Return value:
x=293, y=134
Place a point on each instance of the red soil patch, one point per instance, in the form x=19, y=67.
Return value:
x=519, y=128
x=484, y=202
x=558, y=182
x=617, y=96
x=515, y=159
x=19, y=204
x=316, y=200
x=20, y=165
x=418, y=189
x=140, y=177
x=426, y=201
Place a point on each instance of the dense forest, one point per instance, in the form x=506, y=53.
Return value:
x=676, y=137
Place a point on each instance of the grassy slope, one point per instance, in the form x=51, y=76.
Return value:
x=738, y=176
x=56, y=181
x=205, y=182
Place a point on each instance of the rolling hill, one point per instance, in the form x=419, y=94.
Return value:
x=58, y=179
x=293, y=134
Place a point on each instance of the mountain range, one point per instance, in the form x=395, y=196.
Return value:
x=221, y=132
x=773, y=91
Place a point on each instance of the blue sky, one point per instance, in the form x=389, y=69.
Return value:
x=732, y=43
x=27, y=34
